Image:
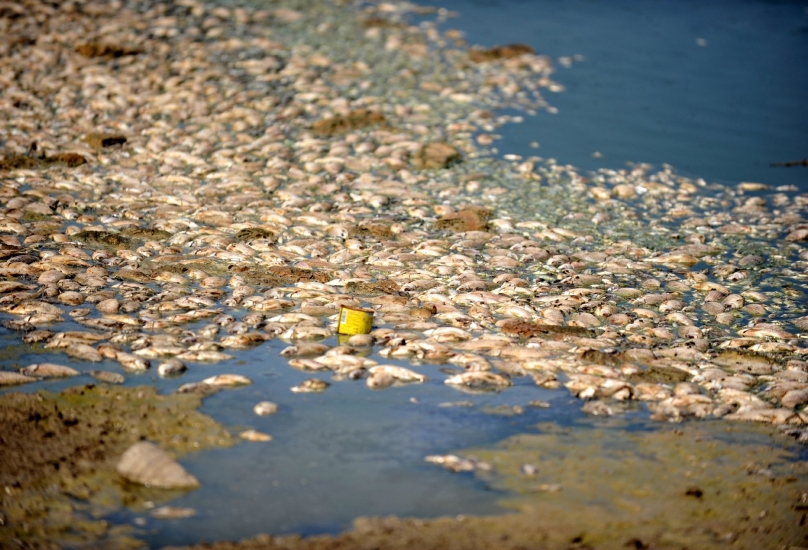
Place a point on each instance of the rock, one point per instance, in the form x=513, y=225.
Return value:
x=149, y=465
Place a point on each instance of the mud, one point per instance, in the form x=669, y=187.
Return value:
x=59, y=453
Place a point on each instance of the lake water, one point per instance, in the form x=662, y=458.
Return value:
x=717, y=89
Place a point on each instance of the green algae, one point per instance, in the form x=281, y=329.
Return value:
x=59, y=453
x=252, y=233
x=699, y=485
x=104, y=240
x=146, y=233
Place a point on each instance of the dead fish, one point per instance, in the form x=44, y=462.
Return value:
x=311, y=385
x=108, y=377
x=400, y=374
x=479, y=380
x=49, y=370
x=227, y=380
x=307, y=364
x=172, y=512
x=253, y=435
x=132, y=362
x=265, y=408
x=455, y=463
x=305, y=348
x=204, y=356
x=172, y=367
x=14, y=378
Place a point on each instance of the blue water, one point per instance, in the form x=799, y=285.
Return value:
x=646, y=91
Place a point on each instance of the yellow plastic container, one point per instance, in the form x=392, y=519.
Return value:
x=354, y=321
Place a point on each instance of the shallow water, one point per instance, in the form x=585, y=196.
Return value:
x=334, y=456
x=646, y=91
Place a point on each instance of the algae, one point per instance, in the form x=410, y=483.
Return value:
x=59, y=453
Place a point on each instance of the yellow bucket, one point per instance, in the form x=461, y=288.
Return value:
x=354, y=321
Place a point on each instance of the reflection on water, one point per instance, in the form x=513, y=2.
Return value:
x=717, y=89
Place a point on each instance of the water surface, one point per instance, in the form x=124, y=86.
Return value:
x=717, y=89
